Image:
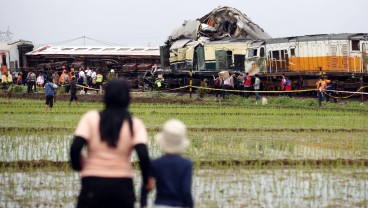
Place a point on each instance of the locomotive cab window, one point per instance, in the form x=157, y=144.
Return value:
x=355, y=45
x=292, y=51
x=251, y=53
x=262, y=52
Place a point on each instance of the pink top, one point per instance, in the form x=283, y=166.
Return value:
x=102, y=160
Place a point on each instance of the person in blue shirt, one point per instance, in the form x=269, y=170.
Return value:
x=171, y=172
x=49, y=92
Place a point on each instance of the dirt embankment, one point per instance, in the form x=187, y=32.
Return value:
x=98, y=98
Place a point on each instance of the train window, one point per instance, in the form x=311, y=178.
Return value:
x=251, y=53
x=81, y=49
x=276, y=55
x=262, y=52
x=108, y=49
x=123, y=49
x=137, y=49
x=355, y=46
x=94, y=49
x=292, y=51
x=67, y=49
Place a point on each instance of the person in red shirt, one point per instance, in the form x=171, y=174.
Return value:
x=247, y=84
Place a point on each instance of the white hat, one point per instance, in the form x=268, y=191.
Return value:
x=112, y=70
x=173, y=138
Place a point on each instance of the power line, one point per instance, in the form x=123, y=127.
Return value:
x=79, y=38
x=103, y=42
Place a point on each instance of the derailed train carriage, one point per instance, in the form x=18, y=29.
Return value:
x=129, y=62
x=226, y=39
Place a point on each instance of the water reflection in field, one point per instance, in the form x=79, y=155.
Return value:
x=236, y=187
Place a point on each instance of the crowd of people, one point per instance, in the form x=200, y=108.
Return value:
x=85, y=78
x=246, y=84
x=70, y=79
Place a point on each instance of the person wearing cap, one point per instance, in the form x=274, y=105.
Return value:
x=171, y=172
x=111, y=75
x=110, y=136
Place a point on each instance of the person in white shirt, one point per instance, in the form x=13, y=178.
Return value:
x=40, y=80
x=81, y=72
x=226, y=86
x=256, y=86
x=94, y=77
x=88, y=72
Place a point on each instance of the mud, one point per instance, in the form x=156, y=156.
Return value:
x=5, y=130
x=98, y=98
x=57, y=165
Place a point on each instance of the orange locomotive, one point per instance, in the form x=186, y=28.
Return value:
x=341, y=56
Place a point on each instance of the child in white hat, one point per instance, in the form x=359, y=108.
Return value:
x=171, y=172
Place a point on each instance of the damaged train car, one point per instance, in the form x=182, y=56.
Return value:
x=226, y=39
x=215, y=42
x=128, y=62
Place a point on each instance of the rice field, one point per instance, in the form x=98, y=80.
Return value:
x=245, y=155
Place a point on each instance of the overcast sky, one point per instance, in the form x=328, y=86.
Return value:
x=150, y=22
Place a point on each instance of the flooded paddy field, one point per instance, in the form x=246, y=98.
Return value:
x=244, y=155
x=209, y=145
x=230, y=187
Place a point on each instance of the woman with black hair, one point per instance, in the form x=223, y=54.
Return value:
x=110, y=137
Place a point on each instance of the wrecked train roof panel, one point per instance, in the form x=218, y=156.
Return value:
x=96, y=50
x=179, y=43
x=221, y=23
x=223, y=17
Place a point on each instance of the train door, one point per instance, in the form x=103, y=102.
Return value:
x=239, y=60
x=275, y=60
x=200, y=58
x=356, y=55
x=365, y=57
x=292, y=58
x=261, y=62
x=22, y=50
x=284, y=62
x=223, y=60
x=4, y=67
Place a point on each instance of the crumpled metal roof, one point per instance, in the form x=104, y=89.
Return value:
x=221, y=23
